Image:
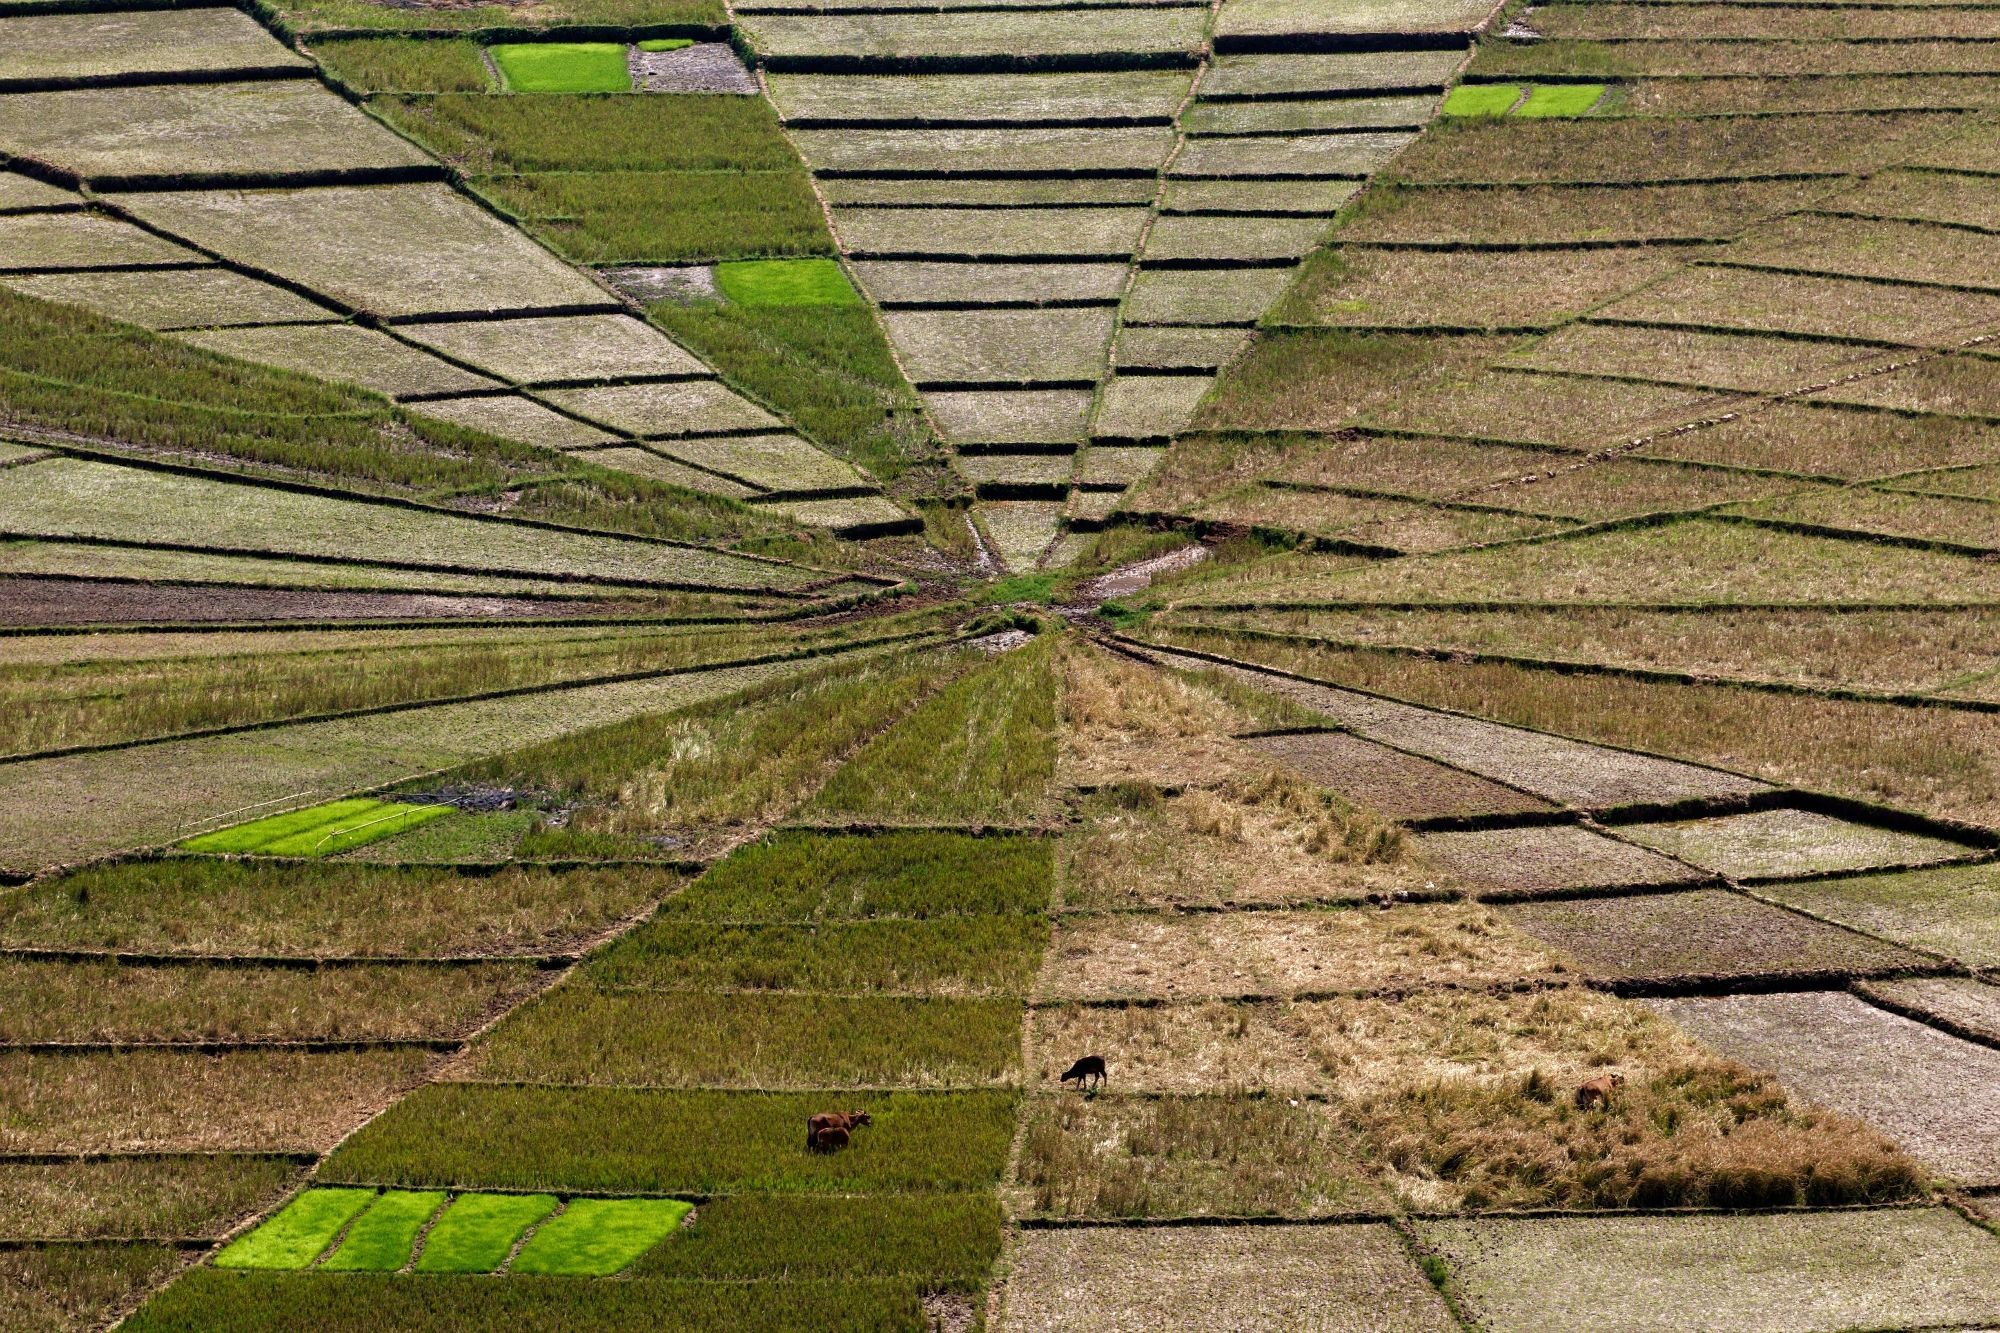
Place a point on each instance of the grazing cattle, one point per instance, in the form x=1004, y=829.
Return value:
x=831, y=1139
x=818, y=1126
x=1091, y=1066
x=1597, y=1092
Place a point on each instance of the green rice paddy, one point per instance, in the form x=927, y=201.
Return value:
x=320, y=830
x=563, y=67
x=299, y=1232
x=380, y=1239
x=1539, y=100
x=599, y=1237
x=785, y=282
x=1482, y=99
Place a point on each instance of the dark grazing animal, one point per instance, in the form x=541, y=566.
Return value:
x=1597, y=1092
x=820, y=1127
x=1091, y=1066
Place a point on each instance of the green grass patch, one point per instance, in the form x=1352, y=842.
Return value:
x=599, y=1237
x=633, y=1140
x=982, y=750
x=632, y=217
x=658, y=44
x=934, y=1238
x=319, y=830
x=475, y=838
x=562, y=67
x=478, y=1231
x=1482, y=99
x=404, y=64
x=300, y=1231
x=813, y=877
x=975, y=955
x=1561, y=99
x=381, y=1238
x=656, y=132
x=785, y=282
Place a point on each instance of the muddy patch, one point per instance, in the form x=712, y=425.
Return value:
x=683, y=284
x=1138, y=576
x=705, y=67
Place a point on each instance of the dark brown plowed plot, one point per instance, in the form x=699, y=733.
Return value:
x=1797, y=1273
x=1954, y=911
x=1527, y=861
x=1244, y=1278
x=1970, y=1007
x=34, y=601
x=1782, y=844
x=1391, y=783
x=1706, y=933
x=1937, y=1096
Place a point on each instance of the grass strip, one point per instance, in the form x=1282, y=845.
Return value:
x=381, y=1238
x=810, y=877
x=404, y=64
x=599, y=1237
x=300, y=1231
x=937, y=1238
x=478, y=1231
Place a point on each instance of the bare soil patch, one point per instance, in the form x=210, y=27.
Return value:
x=1389, y=782
x=1970, y=1007
x=704, y=67
x=1503, y=862
x=1706, y=933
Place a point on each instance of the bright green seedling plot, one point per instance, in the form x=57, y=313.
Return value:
x=785, y=282
x=654, y=45
x=381, y=1239
x=478, y=1230
x=599, y=1237
x=319, y=830
x=1482, y=99
x=1563, y=99
x=295, y=1237
x=563, y=67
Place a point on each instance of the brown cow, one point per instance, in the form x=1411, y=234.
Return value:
x=846, y=1122
x=831, y=1139
x=1597, y=1092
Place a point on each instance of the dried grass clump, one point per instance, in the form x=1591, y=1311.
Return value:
x=1321, y=822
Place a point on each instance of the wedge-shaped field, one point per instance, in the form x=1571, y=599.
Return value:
x=641, y=462
x=1124, y=97
x=1112, y=465
x=1148, y=407
x=656, y=410
x=1300, y=18
x=1547, y=214
x=1199, y=296
x=1281, y=74
x=1865, y=247
x=241, y=582
x=1643, y=149
x=1816, y=306
x=512, y=1137
x=514, y=417
x=1959, y=1004
x=986, y=191
x=1953, y=911
x=1943, y=518
x=1143, y=348
x=1926, y=196
x=1084, y=233
x=1264, y=1278
x=1762, y=59
x=912, y=281
x=25, y=194
x=1789, y=1273
x=1474, y=289
x=1781, y=844
x=1966, y=386
x=105, y=1002
x=1237, y=239
x=74, y=497
x=1017, y=469
x=1130, y=152
x=45, y=242
x=1023, y=33
x=1696, y=357
x=1551, y=409
x=1937, y=1096
x=1304, y=156
x=781, y=463
x=1798, y=436
x=1285, y=952
x=128, y=45
x=551, y=350
x=1010, y=416
x=1391, y=783
x=155, y=1101
x=167, y=1195
x=1317, y=197
x=347, y=352
x=1744, y=96
x=1756, y=23
x=1002, y=346
x=1548, y=859
x=393, y=250
x=175, y=298
x=1390, y=525
x=1706, y=933
x=262, y=129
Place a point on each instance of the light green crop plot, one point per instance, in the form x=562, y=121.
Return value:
x=303, y=1228
x=174, y=298
x=1311, y=155
x=1021, y=346
x=343, y=352
x=550, y=349
x=1303, y=18
x=1282, y=74
x=1482, y=99
x=1025, y=148
x=1143, y=407
x=381, y=1238
x=769, y=462
x=167, y=41
x=1018, y=34
x=894, y=280
x=687, y=407
x=1238, y=237
x=563, y=67
x=1561, y=99
x=1130, y=95
x=74, y=497
x=1204, y=296
x=513, y=417
x=599, y=1237
x=1010, y=416
x=1267, y=196
x=785, y=282
x=1274, y=117
x=985, y=232
x=390, y=249
x=256, y=129
x=38, y=242
x=478, y=1231
x=320, y=830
